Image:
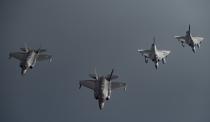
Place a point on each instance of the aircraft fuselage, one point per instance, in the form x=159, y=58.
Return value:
x=29, y=62
x=154, y=55
x=102, y=91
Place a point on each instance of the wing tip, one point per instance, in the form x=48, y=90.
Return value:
x=176, y=37
x=139, y=50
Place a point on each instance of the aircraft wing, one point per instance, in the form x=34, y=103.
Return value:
x=163, y=53
x=144, y=52
x=116, y=85
x=42, y=57
x=197, y=40
x=88, y=83
x=18, y=55
x=180, y=38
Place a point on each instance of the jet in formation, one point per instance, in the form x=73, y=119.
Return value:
x=102, y=86
x=154, y=54
x=28, y=57
x=190, y=40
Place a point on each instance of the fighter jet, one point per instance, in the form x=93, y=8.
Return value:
x=28, y=57
x=190, y=40
x=154, y=54
x=102, y=86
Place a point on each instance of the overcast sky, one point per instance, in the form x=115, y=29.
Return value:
x=83, y=34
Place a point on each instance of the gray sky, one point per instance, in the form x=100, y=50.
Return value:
x=83, y=34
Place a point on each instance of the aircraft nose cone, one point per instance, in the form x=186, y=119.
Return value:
x=101, y=105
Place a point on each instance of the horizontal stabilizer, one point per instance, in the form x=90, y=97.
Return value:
x=25, y=49
x=43, y=57
x=41, y=50
x=112, y=77
x=116, y=85
x=93, y=76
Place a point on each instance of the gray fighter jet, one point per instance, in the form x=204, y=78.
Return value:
x=190, y=40
x=28, y=57
x=154, y=54
x=102, y=86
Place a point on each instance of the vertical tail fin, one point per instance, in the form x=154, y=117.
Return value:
x=39, y=50
x=154, y=40
x=110, y=77
x=96, y=73
x=153, y=47
x=26, y=49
